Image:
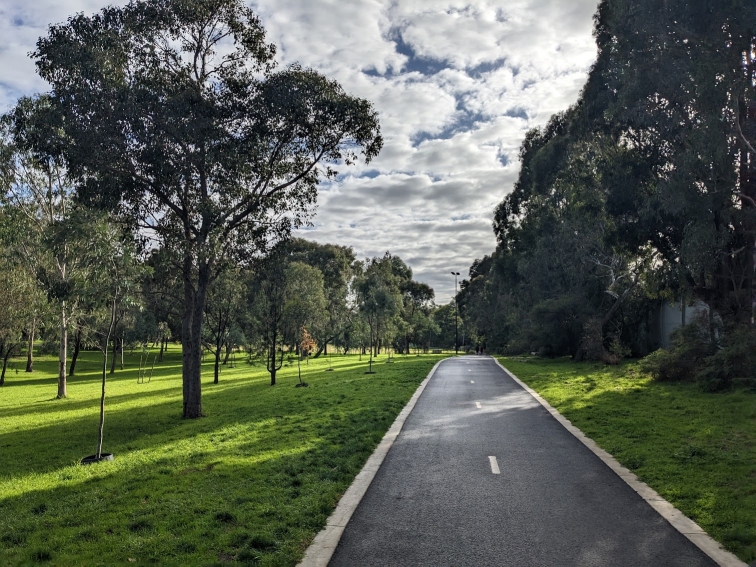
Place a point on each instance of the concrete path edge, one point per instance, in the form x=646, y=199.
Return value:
x=320, y=551
x=677, y=519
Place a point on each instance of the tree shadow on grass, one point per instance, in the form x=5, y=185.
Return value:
x=158, y=386
x=221, y=499
x=50, y=446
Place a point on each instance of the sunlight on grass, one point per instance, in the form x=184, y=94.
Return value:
x=253, y=481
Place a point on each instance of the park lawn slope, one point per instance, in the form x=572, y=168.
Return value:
x=696, y=449
x=250, y=483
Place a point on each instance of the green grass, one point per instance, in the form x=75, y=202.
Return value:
x=250, y=483
x=696, y=449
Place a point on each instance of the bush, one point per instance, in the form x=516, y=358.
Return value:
x=595, y=344
x=733, y=363
x=668, y=366
x=714, y=358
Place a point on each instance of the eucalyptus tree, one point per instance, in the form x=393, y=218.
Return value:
x=38, y=185
x=224, y=302
x=678, y=85
x=337, y=264
x=305, y=304
x=417, y=299
x=646, y=187
x=113, y=283
x=379, y=297
x=266, y=292
x=175, y=114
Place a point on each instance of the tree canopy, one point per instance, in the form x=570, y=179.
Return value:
x=644, y=190
x=173, y=113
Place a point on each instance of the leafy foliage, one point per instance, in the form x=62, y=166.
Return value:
x=643, y=191
x=173, y=114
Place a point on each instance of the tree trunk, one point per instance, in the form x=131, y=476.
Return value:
x=77, y=348
x=160, y=356
x=217, y=365
x=747, y=182
x=115, y=350
x=122, y=345
x=191, y=337
x=580, y=353
x=272, y=368
x=229, y=348
x=6, y=356
x=63, y=355
x=104, y=368
x=30, y=349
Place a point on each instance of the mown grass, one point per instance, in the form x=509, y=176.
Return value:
x=250, y=483
x=696, y=449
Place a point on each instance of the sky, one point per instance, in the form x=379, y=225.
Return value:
x=456, y=86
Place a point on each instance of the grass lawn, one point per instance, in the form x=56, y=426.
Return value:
x=697, y=450
x=250, y=483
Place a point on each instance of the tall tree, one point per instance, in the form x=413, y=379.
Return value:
x=417, y=304
x=175, y=114
x=38, y=185
x=379, y=297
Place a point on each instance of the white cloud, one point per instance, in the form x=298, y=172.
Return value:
x=453, y=116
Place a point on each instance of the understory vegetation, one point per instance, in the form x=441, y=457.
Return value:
x=696, y=449
x=252, y=482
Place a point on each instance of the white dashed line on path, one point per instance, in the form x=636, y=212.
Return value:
x=472, y=381
x=477, y=405
x=494, y=465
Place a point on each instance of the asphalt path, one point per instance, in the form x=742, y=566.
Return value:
x=436, y=499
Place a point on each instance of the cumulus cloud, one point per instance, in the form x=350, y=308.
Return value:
x=456, y=84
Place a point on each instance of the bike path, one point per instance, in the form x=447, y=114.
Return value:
x=437, y=498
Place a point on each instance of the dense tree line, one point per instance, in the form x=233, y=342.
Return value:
x=57, y=285
x=643, y=192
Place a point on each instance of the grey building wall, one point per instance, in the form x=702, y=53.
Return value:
x=669, y=316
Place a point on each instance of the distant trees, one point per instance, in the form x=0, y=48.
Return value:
x=266, y=297
x=224, y=302
x=174, y=114
x=338, y=267
x=16, y=309
x=38, y=186
x=417, y=303
x=395, y=308
x=378, y=299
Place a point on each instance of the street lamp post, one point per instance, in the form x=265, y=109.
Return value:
x=456, y=311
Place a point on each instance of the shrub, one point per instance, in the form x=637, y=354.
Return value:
x=713, y=357
x=734, y=362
